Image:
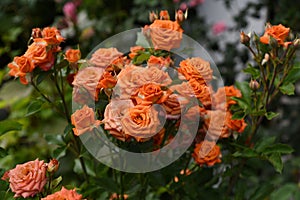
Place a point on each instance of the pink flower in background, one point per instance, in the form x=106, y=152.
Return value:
x=70, y=11
x=183, y=6
x=194, y=3
x=219, y=27
x=176, y=1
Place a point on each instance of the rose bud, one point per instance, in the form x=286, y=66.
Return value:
x=164, y=15
x=152, y=16
x=254, y=85
x=53, y=166
x=266, y=59
x=244, y=38
x=179, y=16
x=36, y=33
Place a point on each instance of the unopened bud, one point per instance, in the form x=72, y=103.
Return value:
x=53, y=166
x=296, y=42
x=244, y=38
x=36, y=33
x=152, y=16
x=254, y=85
x=266, y=59
x=164, y=15
x=179, y=16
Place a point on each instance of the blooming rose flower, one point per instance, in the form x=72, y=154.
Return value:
x=215, y=123
x=278, y=32
x=113, y=114
x=222, y=98
x=107, y=80
x=84, y=120
x=141, y=122
x=202, y=92
x=207, y=153
x=52, y=36
x=103, y=57
x=131, y=78
x=151, y=93
x=159, y=62
x=88, y=79
x=40, y=54
x=195, y=68
x=64, y=194
x=173, y=105
x=20, y=66
x=183, y=89
x=72, y=55
x=28, y=179
x=165, y=34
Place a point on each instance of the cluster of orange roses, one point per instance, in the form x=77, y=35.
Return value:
x=144, y=97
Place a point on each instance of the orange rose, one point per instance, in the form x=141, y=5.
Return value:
x=222, y=98
x=183, y=89
x=88, y=79
x=141, y=122
x=278, y=32
x=151, y=93
x=107, y=80
x=64, y=194
x=20, y=66
x=195, y=68
x=159, y=62
x=164, y=15
x=173, y=105
x=134, y=51
x=103, y=57
x=165, y=34
x=72, y=55
x=237, y=125
x=131, y=78
x=202, y=92
x=52, y=36
x=28, y=179
x=207, y=153
x=40, y=55
x=113, y=114
x=84, y=120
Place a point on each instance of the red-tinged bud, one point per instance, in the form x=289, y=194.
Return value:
x=36, y=33
x=179, y=16
x=152, y=16
x=244, y=38
x=53, y=166
x=254, y=85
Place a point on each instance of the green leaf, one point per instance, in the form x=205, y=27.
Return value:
x=141, y=58
x=62, y=64
x=59, y=152
x=9, y=125
x=242, y=102
x=41, y=76
x=108, y=184
x=238, y=115
x=275, y=160
x=245, y=89
x=246, y=153
x=288, y=89
x=34, y=107
x=271, y=115
x=56, y=182
x=285, y=192
x=294, y=74
x=263, y=143
x=255, y=73
x=278, y=148
x=142, y=40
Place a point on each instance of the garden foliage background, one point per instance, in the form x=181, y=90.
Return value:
x=96, y=21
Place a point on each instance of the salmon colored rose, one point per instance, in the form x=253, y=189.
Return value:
x=159, y=62
x=151, y=93
x=183, y=89
x=207, y=153
x=113, y=114
x=195, y=68
x=215, y=124
x=73, y=55
x=202, y=92
x=28, y=179
x=278, y=32
x=173, y=105
x=84, y=120
x=20, y=66
x=131, y=78
x=40, y=55
x=64, y=194
x=52, y=36
x=88, y=79
x=141, y=122
x=103, y=57
x=165, y=34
